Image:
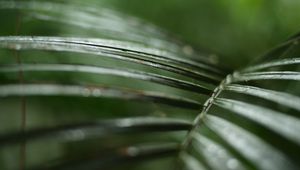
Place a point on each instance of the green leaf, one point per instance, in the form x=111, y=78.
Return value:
x=267, y=75
x=281, y=123
x=262, y=155
x=191, y=162
x=275, y=96
x=95, y=92
x=131, y=74
x=102, y=49
x=115, y=158
x=288, y=61
x=88, y=44
x=216, y=155
x=97, y=129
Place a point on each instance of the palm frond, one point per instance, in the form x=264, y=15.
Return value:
x=65, y=85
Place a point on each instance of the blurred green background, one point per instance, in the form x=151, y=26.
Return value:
x=238, y=30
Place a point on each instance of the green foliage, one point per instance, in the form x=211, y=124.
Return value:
x=85, y=87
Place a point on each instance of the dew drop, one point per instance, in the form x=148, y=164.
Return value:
x=296, y=42
x=221, y=153
x=76, y=135
x=96, y=92
x=17, y=46
x=211, y=148
x=132, y=151
x=188, y=50
x=228, y=79
x=86, y=92
x=213, y=58
x=232, y=163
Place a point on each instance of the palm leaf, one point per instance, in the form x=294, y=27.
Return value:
x=193, y=113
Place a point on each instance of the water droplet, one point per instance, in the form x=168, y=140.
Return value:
x=296, y=42
x=188, y=50
x=76, y=135
x=213, y=58
x=228, y=79
x=211, y=148
x=86, y=92
x=96, y=92
x=15, y=46
x=232, y=163
x=132, y=151
x=221, y=153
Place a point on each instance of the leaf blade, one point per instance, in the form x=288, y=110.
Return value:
x=95, y=92
x=97, y=129
x=258, y=152
x=272, y=95
x=132, y=74
x=280, y=123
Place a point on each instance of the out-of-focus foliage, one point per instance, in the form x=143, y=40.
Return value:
x=238, y=30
